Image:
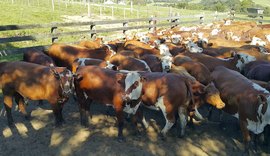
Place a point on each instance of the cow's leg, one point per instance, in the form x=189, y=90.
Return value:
x=58, y=114
x=61, y=105
x=8, y=107
x=182, y=112
x=246, y=136
x=21, y=104
x=120, y=120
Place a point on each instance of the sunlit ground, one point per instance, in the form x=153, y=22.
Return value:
x=39, y=136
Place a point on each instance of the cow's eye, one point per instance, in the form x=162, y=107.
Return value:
x=136, y=83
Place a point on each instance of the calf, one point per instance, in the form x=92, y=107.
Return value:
x=245, y=100
x=38, y=57
x=35, y=82
x=108, y=87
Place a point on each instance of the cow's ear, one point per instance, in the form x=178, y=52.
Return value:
x=262, y=100
x=233, y=53
x=120, y=78
x=210, y=44
x=114, y=68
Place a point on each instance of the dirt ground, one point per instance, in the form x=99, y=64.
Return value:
x=39, y=136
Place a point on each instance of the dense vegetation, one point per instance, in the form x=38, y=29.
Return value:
x=222, y=5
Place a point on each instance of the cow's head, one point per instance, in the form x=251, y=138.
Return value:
x=144, y=39
x=267, y=37
x=176, y=38
x=243, y=59
x=193, y=47
x=212, y=96
x=133, y=90
x=164, y=50
x=65, y=78
x=215, y=32
x=257, y=41
x=132, y=84
x=166, y=62
x=111, y=66
x=263, y=112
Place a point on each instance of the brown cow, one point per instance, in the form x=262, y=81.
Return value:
x=169, y=92
x=64, y=55
x=38, y=57
x=90, y=61
x=97, y=43
x=197, y=70
x=245, y=100
x=129, y=63
x=237, y=62
x=35, y=82
x=108, y=87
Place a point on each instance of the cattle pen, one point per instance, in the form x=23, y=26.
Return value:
x=38, y=136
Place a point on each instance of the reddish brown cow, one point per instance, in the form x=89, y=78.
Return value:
x=154, y=62
x=116, y=89
x=236, y=63
x=38, y=57
x=97, y=43
x=90, y=61
x=141, y=48
x=245, y=100
x=64, y=55
x=169, y=92
x=197, y=70
x=129, y=63
x=35, y=82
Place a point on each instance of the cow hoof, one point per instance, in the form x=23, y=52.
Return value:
x=191, y=125
x=121, y=139
x=11, y=125
x=58, y=124
x=27, y=117
x=162, y=136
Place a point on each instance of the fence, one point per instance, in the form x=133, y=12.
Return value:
x=152, y=24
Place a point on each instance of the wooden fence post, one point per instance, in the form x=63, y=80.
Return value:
x=201, y=19
x=53, y=32
x=125, y=24
x=261, y=19
x=93, y=34
x=53, y=5
x=152, y=24
x=174, y=22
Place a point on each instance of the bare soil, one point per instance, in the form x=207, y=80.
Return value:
x=39, y=136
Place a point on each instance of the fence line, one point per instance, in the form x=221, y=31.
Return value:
x=152, y=24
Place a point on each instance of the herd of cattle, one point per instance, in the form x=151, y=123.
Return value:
x=224, y=64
